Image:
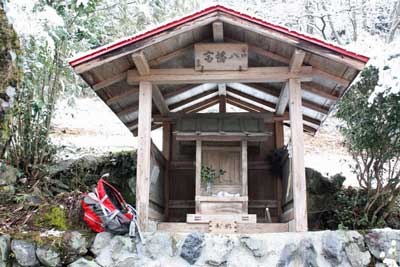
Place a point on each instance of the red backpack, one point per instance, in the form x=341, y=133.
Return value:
x=106, y=210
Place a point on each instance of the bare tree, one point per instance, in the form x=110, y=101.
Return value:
x=395, y=21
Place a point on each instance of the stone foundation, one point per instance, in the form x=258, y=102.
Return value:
x=323, y=248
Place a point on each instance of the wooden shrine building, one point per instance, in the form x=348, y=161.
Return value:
x=169, y=76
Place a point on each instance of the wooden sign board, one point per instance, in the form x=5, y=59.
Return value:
x=221, y=56
x=222, y=227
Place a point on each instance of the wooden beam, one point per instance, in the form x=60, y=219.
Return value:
x=141, y=63
x=159, y=101
x=244, y=169
x=294, y=67
x=143, y=68
x=175, y=116
x=298, y=170
x=222, y=97
x=125, y=94
x=143, y=154
x=110, y=81
x=318, y=72
x=218, y=32
x=186, y=76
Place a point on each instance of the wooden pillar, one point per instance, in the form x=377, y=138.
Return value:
x=143, y=154
x=298, y=171
x=244, y=168
x=198, y=171
x=279, y=143
x=166, y=149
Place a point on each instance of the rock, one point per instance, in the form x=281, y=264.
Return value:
x=8, y=174
x=356, y=251
x=5, y=247
x=192, y=247
x=149, y=263
x=379, y=240
x=75, y=245
x=25, y=253
x=356, y=257
x=254, y=245
x=48, y=257
x=159, y=245
x=120, y=248
x=82, y=262
x=332, y=248
x=101, y=241
x=128, y=262
x=217, y=250
x=302, y=255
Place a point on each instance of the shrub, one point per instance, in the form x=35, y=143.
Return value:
x=372, y=136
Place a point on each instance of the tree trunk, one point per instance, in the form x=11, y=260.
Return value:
x=395, y=22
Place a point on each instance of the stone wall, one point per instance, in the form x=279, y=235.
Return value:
x=323, y=248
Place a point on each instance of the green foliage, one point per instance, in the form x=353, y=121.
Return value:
x=54, y=217
x=208, y=174
x=371, y=132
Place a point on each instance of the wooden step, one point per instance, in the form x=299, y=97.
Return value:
x=206, y=218
x=242, y=228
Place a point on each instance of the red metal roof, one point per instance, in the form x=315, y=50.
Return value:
x=107, y=48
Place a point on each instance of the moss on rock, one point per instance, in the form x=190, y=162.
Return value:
x=53, y=217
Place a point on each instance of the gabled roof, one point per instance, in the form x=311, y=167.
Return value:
x=168, y=46
x=132, y=39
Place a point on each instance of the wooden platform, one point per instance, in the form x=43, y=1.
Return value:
x=242, y=228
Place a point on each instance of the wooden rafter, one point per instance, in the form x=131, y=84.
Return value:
x=294, y=67
x=191, y=99
x=201, y=105
x=188, y=75
x=143, y=69
x=252, y=98
x=243, y=104
x=318, y=90
x=167, y=57
x=125, y=94
x=110, y=81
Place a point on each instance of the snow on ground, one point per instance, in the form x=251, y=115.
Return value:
x=325, y=152
x=89, y=127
